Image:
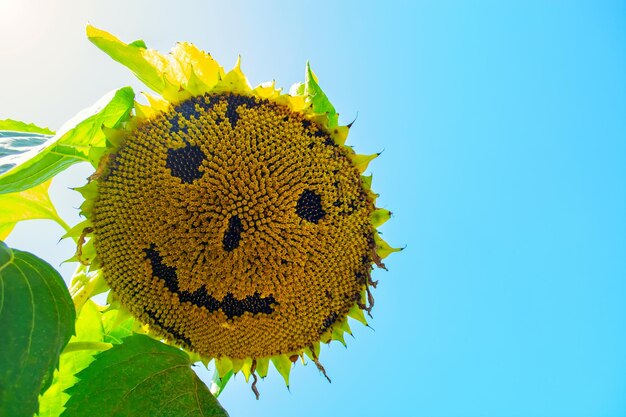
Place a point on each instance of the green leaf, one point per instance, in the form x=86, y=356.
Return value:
x=71, y=145
x=117, y=326
x=31, y=204
x=17, y=126
x=14, y=143
x=141, y=378
x=18, y=137
x=36, y=321
x=318, y=99
x=146, y=64
x=88, y=329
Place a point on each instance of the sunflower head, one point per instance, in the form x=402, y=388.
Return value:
x=233, y=221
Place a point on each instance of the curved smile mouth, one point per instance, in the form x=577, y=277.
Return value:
x=230, y=305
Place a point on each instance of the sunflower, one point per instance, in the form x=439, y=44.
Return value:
x=233, y=221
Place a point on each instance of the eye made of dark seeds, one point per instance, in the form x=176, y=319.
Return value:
x=309, y=206
x=184, y=163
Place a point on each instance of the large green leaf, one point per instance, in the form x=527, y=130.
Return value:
x=17, y=138
x=27, y=205
x=88, y=329
x=72, y=144
x=14, y=143
x=17, y=126
x=141, y=378
x=36, y=321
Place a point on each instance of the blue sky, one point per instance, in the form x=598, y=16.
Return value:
x=504, y=136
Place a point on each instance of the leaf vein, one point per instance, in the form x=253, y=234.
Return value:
x=131, y=391
x=195, y=392
x=32, y=324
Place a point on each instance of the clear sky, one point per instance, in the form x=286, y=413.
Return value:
x=503, y=126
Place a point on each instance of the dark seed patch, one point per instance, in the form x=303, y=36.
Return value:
x=329, y=321
x=234, y=102
x=231, y=306
x=188, y=109
x=232, y=235
x=176, y=128
x=184, y=163
x=309, y=206
x=163, y=272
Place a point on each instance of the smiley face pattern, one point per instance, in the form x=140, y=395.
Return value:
x=235, y=227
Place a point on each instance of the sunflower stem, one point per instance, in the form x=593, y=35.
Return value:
x=63, y=224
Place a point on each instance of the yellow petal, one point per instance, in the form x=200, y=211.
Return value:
x=237, y=364
x=345, y=326
x=340, y=134
x=283, y=366
x=173, y=90
x=267, y=90
x=234, y=82
x=223, y=366
x=198, y=62
x=366, y=180
x=114, y=136
x=382, y=248
x=143, y=112
x=295, y=103
x=246, y=368
x=362, y=161
x=262, y=366
x=379, y=216
x=157, y=103
x=357, y=314
x=338, y=334
x=195, y=86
